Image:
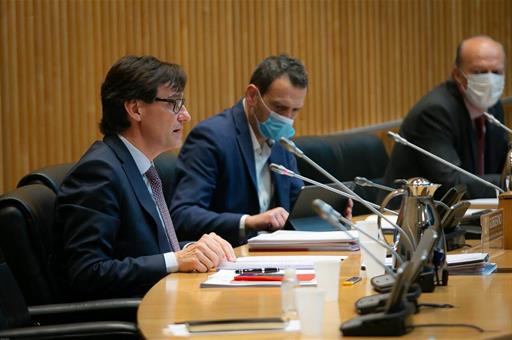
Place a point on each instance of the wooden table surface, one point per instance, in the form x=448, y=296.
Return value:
x=482, y=301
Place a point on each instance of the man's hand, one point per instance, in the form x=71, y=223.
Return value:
x=347, y=212
x=205, y=254
x=272, y=219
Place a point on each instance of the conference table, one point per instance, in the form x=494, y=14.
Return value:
x=484, y=301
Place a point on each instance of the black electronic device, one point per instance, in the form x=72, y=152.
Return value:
x=304, y=218
x=395, y=320
x=377, y=302
x=425, y=280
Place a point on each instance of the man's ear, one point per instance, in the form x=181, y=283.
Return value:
x=459, y=78
x=251, y=95
x=133, y=109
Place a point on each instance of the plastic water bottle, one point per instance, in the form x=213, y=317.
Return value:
x=288, y=286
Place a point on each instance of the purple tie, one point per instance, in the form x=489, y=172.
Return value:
x=158, y=196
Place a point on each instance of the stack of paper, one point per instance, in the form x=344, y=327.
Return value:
x=304, y=240
x=470, y=264
x=281, y=262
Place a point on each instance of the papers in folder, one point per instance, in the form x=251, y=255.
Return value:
x=226, y=278
x=305, y=240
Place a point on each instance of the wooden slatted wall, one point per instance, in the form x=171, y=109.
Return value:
x=368, y=61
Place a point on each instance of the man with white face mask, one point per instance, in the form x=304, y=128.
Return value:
x=450, y=123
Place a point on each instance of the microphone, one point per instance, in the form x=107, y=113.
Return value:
x=491, y=119
x=281, y=170
x=325, y=210
x=290, y=146
x=365, y=182
x=334, y=221
x=401, y=140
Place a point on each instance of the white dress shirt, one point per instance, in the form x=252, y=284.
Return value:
x=143, y=164
x=263, y=179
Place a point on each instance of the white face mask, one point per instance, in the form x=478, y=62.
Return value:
x=484, y=89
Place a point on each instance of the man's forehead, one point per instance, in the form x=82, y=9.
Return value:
x=481, y=48
x=166, y=89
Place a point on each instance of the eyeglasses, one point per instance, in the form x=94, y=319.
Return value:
x=175, y=103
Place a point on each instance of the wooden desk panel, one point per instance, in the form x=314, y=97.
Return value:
x=483, y=301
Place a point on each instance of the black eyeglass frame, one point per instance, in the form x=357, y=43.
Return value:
x=176, y=102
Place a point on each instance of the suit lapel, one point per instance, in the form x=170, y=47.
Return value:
x=139, y=187
x=244, y=141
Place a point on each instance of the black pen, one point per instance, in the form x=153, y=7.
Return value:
x=256, y=270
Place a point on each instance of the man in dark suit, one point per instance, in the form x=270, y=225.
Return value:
x=223, y=180
x=114, y=233
x=449, y=122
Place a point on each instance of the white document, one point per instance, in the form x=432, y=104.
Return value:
x=297, y=262
x=224, y=278
x=305, y=236
x=385, y=224
x=489, y=203
x=305, y=240
x=180, y=330
x=458, y=259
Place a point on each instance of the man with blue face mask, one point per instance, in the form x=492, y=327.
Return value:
x=449, y=122
x=223, y=182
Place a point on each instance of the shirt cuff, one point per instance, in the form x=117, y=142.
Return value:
x=171, y=264
x=241, y=231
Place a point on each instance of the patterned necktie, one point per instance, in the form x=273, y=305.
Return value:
x=480, y=143
x=158, y=196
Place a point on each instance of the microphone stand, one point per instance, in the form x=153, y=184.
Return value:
x=401, y=140
x=291, y=147
x=334, y=221
x=496, y=122
x=281, y=170
x=325, y=209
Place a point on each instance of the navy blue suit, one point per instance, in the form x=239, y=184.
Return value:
x=216, y=178
x=109, y=238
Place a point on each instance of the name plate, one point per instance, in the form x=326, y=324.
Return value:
x=492, y=230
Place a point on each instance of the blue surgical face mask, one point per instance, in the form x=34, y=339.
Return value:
x=276, y=126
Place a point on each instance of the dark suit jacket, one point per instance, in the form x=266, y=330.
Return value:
x=109, y=238
x=216, y=180
x=441, y=124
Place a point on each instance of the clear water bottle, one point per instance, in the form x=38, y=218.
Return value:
x=288, y=294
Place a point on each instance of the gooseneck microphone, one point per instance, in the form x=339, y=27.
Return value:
x=291, y=147
x=365, y=182
x=401, y=140
x=281, y=170
x=326, y=211
x=494, y=121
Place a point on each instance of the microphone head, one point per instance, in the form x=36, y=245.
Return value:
x=361, y=181
x=397, y=138
x=291, y=147
x=281, y=170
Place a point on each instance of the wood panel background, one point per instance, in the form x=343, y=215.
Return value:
x=368, y=61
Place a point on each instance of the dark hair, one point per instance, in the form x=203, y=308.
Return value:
x=133, y=77
x=274, y=67
x=458, y=58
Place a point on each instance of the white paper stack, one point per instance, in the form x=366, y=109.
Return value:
x=305, y=240
x=470, y=264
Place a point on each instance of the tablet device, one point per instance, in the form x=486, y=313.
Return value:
x=304, y=218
